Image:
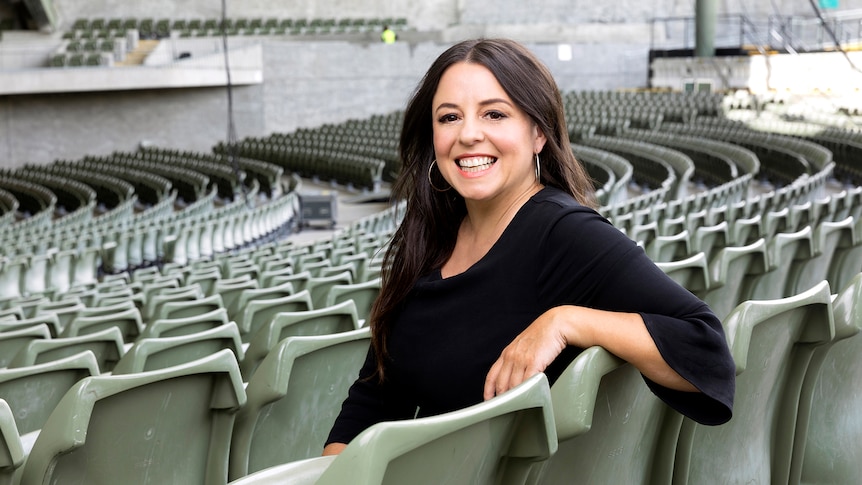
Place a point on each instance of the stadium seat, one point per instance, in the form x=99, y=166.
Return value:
x=319, y=287
x=771, y=343
x=609, y=425
x=158, y=353
x=183, y=309
x=691, y=273
x=258, y=313
x=732, y=272
x=49, y=319
x=156, y=301
x=362, y=294
x=785, y=253
x=91, y=438
x=335, y=319
x=293, y=399
x=33, y=391
x=496, y=441
x=829, y=430
x=847, y=260
x=11, y=450
x=106, y=345
x=827, y=238
x=263, y=293
x=172, y=327
x=128, y=321
x=14, y=340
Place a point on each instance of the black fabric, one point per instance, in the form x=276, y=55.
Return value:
x=554, y=252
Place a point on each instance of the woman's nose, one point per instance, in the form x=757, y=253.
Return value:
x=471, y=131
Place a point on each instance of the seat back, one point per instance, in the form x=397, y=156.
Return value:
x=319, y=286
x=335, y=319
x=106, y=346
x=158, y=353
x=771, y=343
x=829, y=429
x=172, y=327
x=33, y=391
x=128, y=321
x=177, y=421
x=257, y=313
x=691, y=273
x=294, y=398
x=785, y=251
x=362, y=294
x=732, y=272
x=11, y=450
x=12, y=341
x=51, y=320
x=184, y=309
x=608, y=423
x=496, y=441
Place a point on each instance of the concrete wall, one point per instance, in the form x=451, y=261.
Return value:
x=310, y=83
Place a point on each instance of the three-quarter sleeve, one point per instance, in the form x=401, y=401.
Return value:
x=600, y=267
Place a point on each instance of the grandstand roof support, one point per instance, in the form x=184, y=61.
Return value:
x=706, y=12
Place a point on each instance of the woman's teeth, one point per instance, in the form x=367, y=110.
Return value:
x=476, y=164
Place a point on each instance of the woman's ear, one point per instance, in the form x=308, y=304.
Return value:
x=539, y=139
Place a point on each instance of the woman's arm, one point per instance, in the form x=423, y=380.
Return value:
x=623, y=334
x=333, y=448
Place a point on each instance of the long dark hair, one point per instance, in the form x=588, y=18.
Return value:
x=426, y=236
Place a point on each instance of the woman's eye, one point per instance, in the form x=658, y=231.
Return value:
x=495, y=115
x=449, y=118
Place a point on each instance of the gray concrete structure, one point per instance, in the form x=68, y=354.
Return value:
x=308, y=82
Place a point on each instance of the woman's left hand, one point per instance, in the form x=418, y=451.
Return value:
x=528, y=354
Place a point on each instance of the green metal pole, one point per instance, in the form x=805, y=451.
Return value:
x=706, y=12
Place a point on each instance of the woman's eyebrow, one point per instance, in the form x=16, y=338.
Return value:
x=481, y=103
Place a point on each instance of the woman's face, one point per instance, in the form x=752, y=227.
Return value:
x=484, y=144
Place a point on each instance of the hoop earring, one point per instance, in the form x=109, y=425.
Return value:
x=538, y=170
x=431, y=183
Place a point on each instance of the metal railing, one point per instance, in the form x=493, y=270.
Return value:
x=793, y=33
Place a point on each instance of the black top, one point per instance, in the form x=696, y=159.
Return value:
x=554, y=252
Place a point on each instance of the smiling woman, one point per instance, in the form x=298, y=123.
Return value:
x=502, y=269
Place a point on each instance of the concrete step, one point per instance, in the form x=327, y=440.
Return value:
x=140, y=53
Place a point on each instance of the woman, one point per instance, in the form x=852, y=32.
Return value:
x=500, y=268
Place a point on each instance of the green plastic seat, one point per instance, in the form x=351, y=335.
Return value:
x=156, y=301
x=158, y=353
x=11, y=450
x=258, y=313
x=276, y=425
x=66, y=310
x=263, y=293
x=49, y=319
x=609, y=425
x=732, y=273
x=784, y=252
x=33, y=391
x=184, y=309
x=362, y=294
x=298, y=280
x=128, y=321
x=691, y=273
x=172, y=327
x=106, y=345
x=771, y=342
x=829, y=428
x=847, y=260
x=827, y=237
x=176, y=421
x=665, y=248
x=319, y=287
x=496, y=441
x=231, y=288
x=335, y=319
x=11, y=342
